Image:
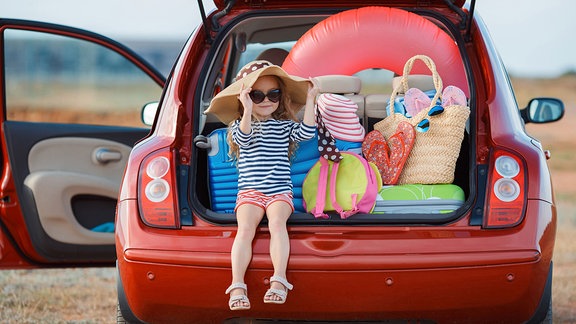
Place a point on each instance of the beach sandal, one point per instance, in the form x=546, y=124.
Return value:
x=237, y=302
x=389, y=156
x=415, y=100
x=453, y=95
x=278, y=292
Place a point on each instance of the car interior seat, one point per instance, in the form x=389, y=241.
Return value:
x=275, y=56
x=346, y=85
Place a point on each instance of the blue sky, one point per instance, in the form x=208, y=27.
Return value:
x=534, y=37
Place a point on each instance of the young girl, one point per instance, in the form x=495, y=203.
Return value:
x=261, y=136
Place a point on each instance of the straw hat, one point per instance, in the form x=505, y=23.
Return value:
x=339, y=115
x=225, y=105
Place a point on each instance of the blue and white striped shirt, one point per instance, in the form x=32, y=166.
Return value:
x=263, y=162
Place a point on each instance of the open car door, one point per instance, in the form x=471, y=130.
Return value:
x=71, y=110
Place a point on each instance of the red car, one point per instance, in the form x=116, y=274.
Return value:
x=145, y=199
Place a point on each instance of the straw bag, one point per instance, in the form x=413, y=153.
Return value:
x=440, y=130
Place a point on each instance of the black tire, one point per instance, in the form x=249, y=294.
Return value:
x=549, y=319
x=119, y=318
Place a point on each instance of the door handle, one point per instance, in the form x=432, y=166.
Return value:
x=104, y=155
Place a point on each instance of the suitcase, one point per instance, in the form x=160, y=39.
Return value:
x=223, y=174
x=419, y=199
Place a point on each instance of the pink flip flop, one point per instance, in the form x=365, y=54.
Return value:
x=389, y=156
x=453, y=95
x=415, y=100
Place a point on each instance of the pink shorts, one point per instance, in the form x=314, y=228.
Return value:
x=255, y=197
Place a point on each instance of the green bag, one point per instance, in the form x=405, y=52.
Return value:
x=348, y=187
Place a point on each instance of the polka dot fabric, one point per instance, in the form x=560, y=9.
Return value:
x=326, y=142
x=256, y=65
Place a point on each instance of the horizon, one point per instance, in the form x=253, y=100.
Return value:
x=532, y=36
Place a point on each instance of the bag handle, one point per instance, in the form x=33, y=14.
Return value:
x=318, y=210
x=403, y=85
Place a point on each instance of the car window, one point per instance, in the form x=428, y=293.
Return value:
x=374, y=81
x=58, y=79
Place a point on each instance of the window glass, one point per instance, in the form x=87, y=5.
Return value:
x=375, y=80
x=57, y=79
x=255, y=50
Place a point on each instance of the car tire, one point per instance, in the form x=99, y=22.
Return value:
x=549, y=319
x=119, y=318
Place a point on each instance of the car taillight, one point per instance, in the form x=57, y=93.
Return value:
x=507, y=197
x=157, y=190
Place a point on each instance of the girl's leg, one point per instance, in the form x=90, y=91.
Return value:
x=248, y=217
x=278, y=214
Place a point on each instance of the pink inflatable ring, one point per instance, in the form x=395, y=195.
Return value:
x=375, y=37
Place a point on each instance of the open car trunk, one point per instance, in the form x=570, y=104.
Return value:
x=375, y=52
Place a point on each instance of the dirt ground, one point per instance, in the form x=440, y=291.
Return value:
x=89, y=295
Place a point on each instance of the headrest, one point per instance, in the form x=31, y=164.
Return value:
x=341, y=84
x=275, y=56
x=420, y=81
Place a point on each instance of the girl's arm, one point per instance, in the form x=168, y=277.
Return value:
x=310, y=100
x=246, y=121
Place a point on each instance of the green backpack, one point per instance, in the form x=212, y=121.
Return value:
x=347, y=187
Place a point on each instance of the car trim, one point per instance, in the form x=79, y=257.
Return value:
x=355, y=262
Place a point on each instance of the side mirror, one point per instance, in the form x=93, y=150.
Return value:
x=149, y=112
x=543, y=110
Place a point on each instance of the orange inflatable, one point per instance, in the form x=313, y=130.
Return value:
x=375, y=37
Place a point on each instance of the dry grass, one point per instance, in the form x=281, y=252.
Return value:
x=564, y=284
x=58, y=296
x=89, y=295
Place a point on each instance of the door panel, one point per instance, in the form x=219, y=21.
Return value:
x=64, y=168
x=71, y=114
x=54, y=167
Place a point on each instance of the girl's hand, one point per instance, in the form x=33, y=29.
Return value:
x=246, y=102
x=313, y=89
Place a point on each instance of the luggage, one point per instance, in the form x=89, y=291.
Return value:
x=304, y=159
x=348, y=187
x=223, y=174
x=419, y=199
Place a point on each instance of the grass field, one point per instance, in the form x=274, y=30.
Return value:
x=89, y=295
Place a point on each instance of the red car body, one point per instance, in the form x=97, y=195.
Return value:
x=488, y=261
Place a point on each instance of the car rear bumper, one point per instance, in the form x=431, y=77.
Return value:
x=168, y=292
x=441, y=275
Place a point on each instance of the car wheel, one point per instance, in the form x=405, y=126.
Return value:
x=119, y=318
x=549, y=315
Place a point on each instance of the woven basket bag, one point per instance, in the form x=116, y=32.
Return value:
x=435, y=151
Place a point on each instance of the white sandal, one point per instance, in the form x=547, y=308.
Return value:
x=237, y=302
x=278, y=292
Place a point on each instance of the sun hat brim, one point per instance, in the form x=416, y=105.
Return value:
x=340, y=118
x=225, y=105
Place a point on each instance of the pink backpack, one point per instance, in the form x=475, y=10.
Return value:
x=348, y=187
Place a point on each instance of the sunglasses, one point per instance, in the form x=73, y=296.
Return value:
x=258, y=96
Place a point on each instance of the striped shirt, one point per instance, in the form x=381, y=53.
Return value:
x=263, y=162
